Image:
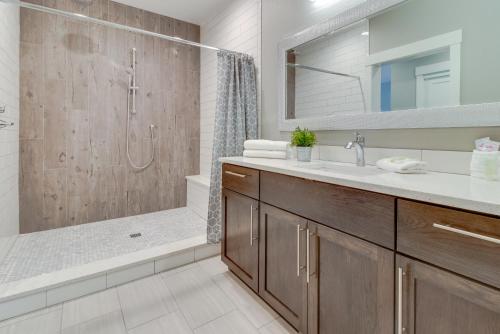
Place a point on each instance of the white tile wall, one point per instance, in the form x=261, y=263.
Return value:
x=130, y=274
x=437, y=161
x=75, y=290
x=345, y=52
x=448, y=161
x=22, y=305
x=198, y=189
x=237, y=28
x=9, y=137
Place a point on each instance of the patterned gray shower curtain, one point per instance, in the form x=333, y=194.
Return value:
x=235, y=121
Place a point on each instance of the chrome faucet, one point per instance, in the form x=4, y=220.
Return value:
x=359, y=145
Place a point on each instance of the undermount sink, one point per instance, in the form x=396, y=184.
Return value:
x=346, y=169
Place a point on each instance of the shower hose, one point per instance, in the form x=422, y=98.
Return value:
x=151, y=132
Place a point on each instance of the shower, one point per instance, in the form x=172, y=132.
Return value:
x=132, y=110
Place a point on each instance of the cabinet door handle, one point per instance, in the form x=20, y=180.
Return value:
x=401, y=273
x=467, y=233
x=299, y=267
x=251, y=225
x=298, y=250
x=236, y=174
x=308, y=265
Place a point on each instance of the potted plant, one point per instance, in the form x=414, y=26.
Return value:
x=304, y=140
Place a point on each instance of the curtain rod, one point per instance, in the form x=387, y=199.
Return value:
x=85, y=18
x=315, y=69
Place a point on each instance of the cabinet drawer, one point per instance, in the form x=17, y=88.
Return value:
x=364, y=214
x=466, y=243
x=241, y=179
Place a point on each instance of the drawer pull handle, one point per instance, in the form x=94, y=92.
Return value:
x=236, y=174
x=467, y=233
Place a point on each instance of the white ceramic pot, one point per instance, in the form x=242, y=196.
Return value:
x=304, y=154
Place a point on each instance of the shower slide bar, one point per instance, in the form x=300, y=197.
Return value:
x=81, y=17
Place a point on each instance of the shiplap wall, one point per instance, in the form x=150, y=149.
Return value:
x=74, y=83
x=9, y=137
x=317, y=93
x=238, y=28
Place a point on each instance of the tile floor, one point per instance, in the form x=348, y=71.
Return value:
x=200, y=298
x=33, y=254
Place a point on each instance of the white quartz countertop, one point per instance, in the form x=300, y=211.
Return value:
x=459, y=191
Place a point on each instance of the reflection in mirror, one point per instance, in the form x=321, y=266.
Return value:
x=423, y=74
x=411, y=56
x=329, y=73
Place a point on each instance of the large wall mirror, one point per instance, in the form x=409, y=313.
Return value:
x=395, y=64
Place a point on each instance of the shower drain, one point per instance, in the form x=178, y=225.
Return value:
x=136, y=235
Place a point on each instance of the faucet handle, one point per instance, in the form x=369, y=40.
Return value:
x=359, y=138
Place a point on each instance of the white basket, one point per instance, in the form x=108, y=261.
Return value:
x=485, y=165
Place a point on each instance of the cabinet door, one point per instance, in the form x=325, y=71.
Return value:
x=282, y=267
x=240, y=226
x=351, y=288
x=434, y=301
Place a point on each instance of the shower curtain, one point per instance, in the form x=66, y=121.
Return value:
x=235, y=121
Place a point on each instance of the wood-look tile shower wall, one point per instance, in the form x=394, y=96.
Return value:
x=73, y=163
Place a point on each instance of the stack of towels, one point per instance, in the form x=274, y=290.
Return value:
x=402, y=165
x=266, y=149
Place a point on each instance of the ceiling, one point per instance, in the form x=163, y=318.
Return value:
x=194, y=11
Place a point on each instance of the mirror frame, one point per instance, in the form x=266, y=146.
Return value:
x=472, y=115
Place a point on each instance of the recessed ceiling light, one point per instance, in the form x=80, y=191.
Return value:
x=365, y=33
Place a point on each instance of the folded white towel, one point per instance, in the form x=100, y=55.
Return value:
x=264, y=154
x=266, y=145
x=402, y=165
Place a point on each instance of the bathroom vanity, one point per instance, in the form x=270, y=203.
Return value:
x=339, y=249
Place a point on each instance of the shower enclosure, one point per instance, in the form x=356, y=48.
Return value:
x=108, y=130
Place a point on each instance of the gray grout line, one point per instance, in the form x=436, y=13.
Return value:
x=60, y=307
x=62, y=315
x=121, y=308
x=173, y=295
x=212, y=277
x=212, y=280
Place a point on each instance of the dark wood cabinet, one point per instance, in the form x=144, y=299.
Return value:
x=283, y=283
x=463, y=242
x=367, y=215
x=434, y=301
x=351, y=287
x=240, y=248
x=332, y=259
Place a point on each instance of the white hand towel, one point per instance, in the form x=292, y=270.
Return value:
x=264, y=154
x=402, y=165
x=266, y=145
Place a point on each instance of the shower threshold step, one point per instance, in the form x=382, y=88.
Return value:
x=30, y=294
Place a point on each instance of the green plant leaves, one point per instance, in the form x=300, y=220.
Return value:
x=303, y=138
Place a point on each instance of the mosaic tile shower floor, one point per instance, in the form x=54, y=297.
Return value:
x=48, y=251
